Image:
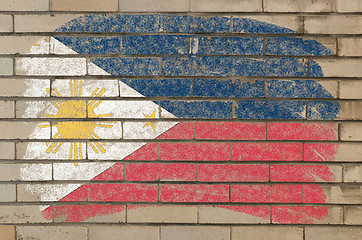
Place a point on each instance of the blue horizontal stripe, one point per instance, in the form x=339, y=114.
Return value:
x=128, y=66
x=92, y=45
x=323, y=110
x=270, y=109
x=245, y=25
x=296, y=89
x=156, y=44
x=295, y=46
x=161, y=87
x=227, y=88
x=199, y=109
x=230, y=46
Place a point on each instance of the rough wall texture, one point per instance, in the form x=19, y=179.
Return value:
x=181, y=119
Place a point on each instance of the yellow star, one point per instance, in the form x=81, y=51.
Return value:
x=152, y=124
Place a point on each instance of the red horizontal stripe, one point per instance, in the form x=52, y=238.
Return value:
x=180, y=131
x=320, y=152
x=302, y=131
x=266, y=151
x=147, y=152
x=194, y=193
x=230, y=131
x=233, y=173
x=122, y=192
x=313, y=194
x=298, y=214
x=281, y=193
x=300, y=173
x=195, y=151
x=80, y=194
x=162, y=172
x=111, y=174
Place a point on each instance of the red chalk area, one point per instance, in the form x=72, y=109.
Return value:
x=218, y=172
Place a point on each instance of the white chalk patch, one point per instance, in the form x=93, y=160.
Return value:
x=40, y=47
x=50, y=66
x=82, y=171
x=144, y=130
x=35, y=172
x=41, y=150
x=114, y=150
x=194, y=45
x=127, y=91
x=37, y=87
x=40, y=132
x=87, y=87
x=57, y=47
x=95, y=70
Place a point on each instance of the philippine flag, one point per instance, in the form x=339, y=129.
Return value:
x=169, y=111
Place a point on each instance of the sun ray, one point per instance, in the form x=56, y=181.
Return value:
x=100, y=147
x=57, y=92
x=75, y=151
x=52, y=146
x=104, y=125
x=71, y=89
x=46, y=125
x=99, y=94
x=71, y=151
x=94, y=92
x=57, y=135
x=49, y=115
x=93, y=147
x=57, y=148
x=97, y=102
x=103, y=115
x=80, y=151
x=80, y=88
x=75, y=90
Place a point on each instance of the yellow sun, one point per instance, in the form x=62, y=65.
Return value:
x=77, y=129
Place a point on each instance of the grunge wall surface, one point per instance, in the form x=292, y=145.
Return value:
x=181, y=119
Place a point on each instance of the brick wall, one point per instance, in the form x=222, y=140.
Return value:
x=180, y=119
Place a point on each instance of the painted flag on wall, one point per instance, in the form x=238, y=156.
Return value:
x=178, y=117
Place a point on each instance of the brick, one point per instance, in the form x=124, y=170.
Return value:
x=23, y=130
x=289, y=24
x=35, y=172
x=352, y=173
x=232, y=173
x=333, y=233
x=123, y=232
x=279, y=193
x=84, y=5
x=349, y=6
x=161, y=214
x=351, y=131
x=18, y=5
x=302, y=131
x=350, y=110
x=194, y=232
x=183, y=130
x=336, y=24
x=343, y=152
x=6, y=66
x=7, y=193
x=42, y=23
x=139, y=130
x=22, y=214
x=85, y=171
x=343, y=194
x=113, y=173
x=194, y=151
x=89, y=213
x=123, y=192
x=50, y=66
x=6, y=23
x=350, y=89
x=266, y=151
x=230, y=131
x=147, y=152
x=267, y=233
x=332, y=68
x=226, y=6
x=7, y=150
x=305, y=173
x=20, y=87
x=7, y=109
x=52, y=232
x=7, y=232
x=352, y=215
x=234, y=214
x=24, y=44
x=194, y=193
x=350, y=46
x=154, y=6
x=299, y=6
x=160, y=172
x=307, y=215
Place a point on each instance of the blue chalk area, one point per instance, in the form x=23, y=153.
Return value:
x=161, y=88
x=315, y=69
x=227, y=88
x=291, y=67
x=75, y=25
x=197, y=66
x=156, y=44
x=128, y=66
x=92, y=45
x=199, y=109
x=230, y=46
x=296, y=89
x=270, y=109
x=295, y=46
x=245, y=25
x=323, y=110
x=122, y=23
x=194, y=24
